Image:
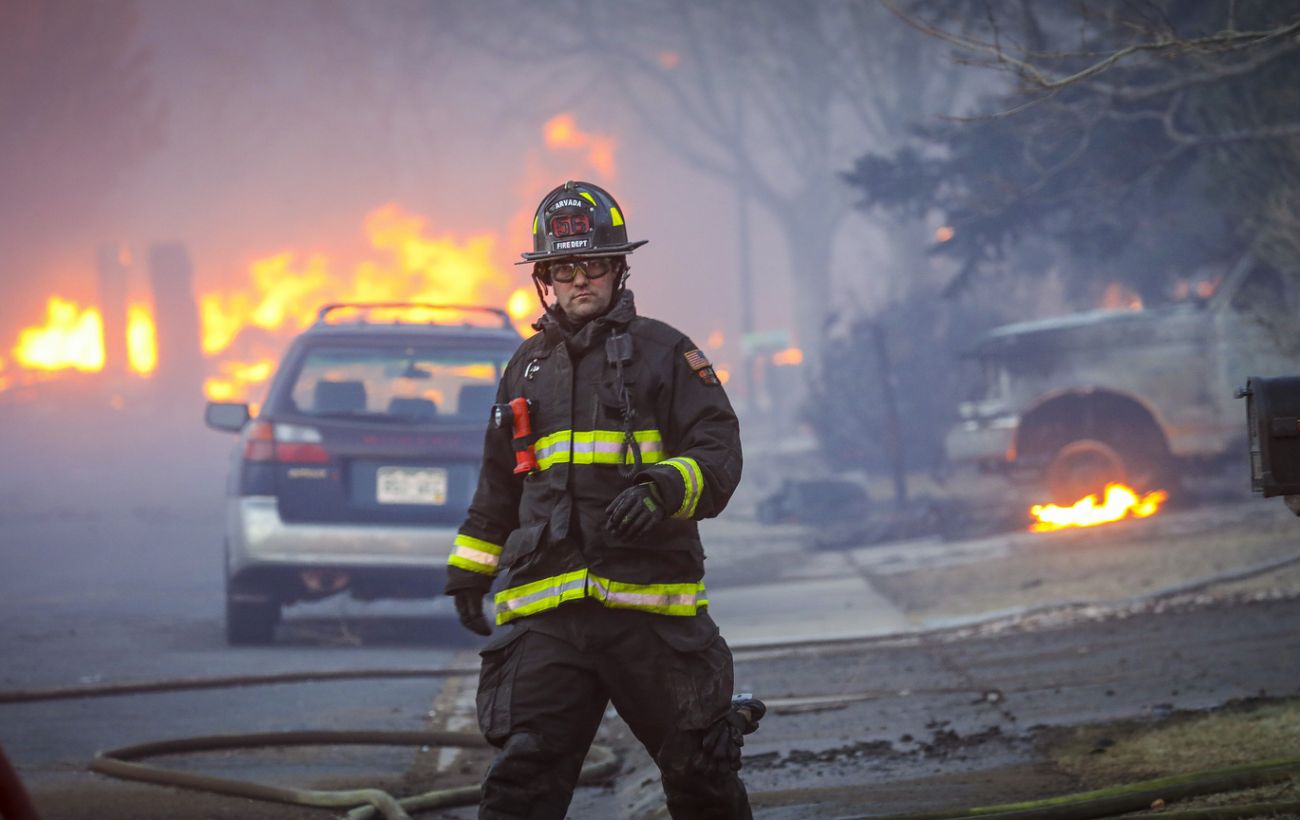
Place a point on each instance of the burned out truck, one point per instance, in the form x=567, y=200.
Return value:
x=1136, y=396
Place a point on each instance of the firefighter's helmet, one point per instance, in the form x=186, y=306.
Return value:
x=578, y=219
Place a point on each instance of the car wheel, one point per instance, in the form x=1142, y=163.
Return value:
x=1082, y=468
x=251, y=622
x=251, y=616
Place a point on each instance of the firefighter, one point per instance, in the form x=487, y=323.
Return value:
x=593, y=516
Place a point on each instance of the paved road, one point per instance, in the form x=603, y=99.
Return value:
x=121, y=592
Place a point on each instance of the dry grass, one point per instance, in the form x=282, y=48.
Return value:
x=1099, y=756
x=1234, y=736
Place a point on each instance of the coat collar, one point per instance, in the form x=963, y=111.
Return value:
x=558, y=329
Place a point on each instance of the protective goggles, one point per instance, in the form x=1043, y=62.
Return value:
x=564, y=272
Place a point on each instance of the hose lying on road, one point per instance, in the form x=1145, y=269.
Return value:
x=1131, y=797
x=600, y=765
x=116, y=763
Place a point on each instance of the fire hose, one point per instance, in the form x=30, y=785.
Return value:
x=602, y=762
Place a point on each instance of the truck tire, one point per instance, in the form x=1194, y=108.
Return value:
x=1084, y=467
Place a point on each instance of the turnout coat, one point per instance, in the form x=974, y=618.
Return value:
x=546, y=528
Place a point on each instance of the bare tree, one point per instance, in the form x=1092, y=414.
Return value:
x=78, y=108
x=1134, y=125
x=770, y=99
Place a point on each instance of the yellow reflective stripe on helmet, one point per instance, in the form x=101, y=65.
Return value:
x=540, y=596
x=587, y=197
x=475, y=555
x=548, y=593
x=535, y=218
x=664, y=599
x=615, y=217
x=596, y=447
x=692, y=482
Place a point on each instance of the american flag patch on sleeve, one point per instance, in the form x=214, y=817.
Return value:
x=700, y=364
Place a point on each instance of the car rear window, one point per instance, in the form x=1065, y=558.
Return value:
x=412, y=384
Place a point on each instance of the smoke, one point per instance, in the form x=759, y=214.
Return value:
x=252, y=130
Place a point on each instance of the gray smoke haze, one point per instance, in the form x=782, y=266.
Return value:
x=262, y=128
x=282, y=126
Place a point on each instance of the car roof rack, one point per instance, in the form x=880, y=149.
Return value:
x=325, y=310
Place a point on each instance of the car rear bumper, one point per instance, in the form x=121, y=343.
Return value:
x=257, y=536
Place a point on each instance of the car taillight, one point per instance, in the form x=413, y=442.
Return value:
x=259, y=441
x=287, y=443
x=300, y=445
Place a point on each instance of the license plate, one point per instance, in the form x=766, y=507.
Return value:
x=411, y=485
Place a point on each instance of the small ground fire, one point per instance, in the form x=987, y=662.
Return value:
x=1119, y=502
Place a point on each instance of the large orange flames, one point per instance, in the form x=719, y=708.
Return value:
x=243, y=328
x=141, y=339
x=285, y=290
x=1119, y=502
x=72, y=338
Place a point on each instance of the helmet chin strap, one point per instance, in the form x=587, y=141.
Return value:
x=541, y=296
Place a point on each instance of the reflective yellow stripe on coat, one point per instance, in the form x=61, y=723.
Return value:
x=692, y=481
x=474, y=554
x=595, y=447
x=548, y=593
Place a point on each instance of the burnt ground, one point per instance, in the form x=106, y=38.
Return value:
x=958, y=718
x=969, y=717
x=959, y=709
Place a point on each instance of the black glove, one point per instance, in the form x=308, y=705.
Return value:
x=469, y=608
x=634, y=511
x=722, y=740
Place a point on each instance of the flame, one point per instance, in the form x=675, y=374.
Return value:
x=285, y=290
x=141, y=339
x=284, y=294
x=715, y=340
x=789, y=356
x=522, y=306
x=724, y=375
x=236, y=378
x=244, y=326
x=72, y=338
x=944, y=233
x=1121, y=502
x=561, y=132
x=1118, y=296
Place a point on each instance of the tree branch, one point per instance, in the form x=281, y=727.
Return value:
x=1221, y=41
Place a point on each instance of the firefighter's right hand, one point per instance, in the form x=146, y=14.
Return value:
x=469, y=608
x=723, y=739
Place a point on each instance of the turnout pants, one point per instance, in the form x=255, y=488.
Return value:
x=545, y=685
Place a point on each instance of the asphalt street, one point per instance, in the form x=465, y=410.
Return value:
x=121, y=594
